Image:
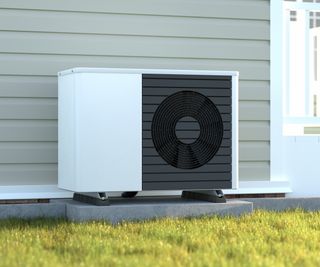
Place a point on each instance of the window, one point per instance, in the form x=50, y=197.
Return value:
x=301, y=101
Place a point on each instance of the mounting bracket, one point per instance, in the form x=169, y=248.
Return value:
x=215, y=196
x=98, y=199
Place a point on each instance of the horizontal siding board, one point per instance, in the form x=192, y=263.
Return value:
x=242, y=9
x=48, y=65
x=28, y=130
x=28, y=108
x=254, y=171
x=254, y=151
x=254, y=90
x=24, y=86
x=119, y=24
x=28, y=174
x=254, y=110
x=133, y=46
x=254, y=130
x=28, y=152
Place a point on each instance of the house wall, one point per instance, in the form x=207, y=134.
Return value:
x=38, y=38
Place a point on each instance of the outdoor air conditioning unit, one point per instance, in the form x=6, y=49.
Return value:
x=128, y=130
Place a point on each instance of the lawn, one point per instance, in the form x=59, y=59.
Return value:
x=290, y=238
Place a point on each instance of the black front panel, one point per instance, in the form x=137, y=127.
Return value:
x=186, y=132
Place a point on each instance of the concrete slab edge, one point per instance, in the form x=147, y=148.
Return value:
x=116, y=214
x=280, y=204
x=68, y=210
x=29, y=211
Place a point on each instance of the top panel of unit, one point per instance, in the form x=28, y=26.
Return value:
x=147, y=71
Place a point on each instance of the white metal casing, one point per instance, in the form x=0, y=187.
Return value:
x=100, y=132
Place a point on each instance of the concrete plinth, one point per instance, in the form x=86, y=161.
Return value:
x=149, y=208
x=36, y=210
x=279, y=204
x=144, y=208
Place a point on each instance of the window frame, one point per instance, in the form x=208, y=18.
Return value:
x=289, y=120
x=277, y=85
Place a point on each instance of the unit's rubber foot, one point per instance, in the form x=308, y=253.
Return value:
x=215, y=196
x=129, y=194
x=100, y=200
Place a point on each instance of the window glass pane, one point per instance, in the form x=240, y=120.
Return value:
x=293, y=15
x=296, y=64
x=302, y=82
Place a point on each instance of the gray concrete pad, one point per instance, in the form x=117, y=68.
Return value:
x=143, y=208
x=279, y=204
x=148, y=208
x=28, y=211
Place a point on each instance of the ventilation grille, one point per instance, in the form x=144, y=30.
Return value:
x=186, y=132
x=163, y=130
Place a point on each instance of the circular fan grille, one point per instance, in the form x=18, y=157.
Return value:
x=181, y=154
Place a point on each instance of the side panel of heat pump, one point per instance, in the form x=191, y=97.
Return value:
x=66, y=132
x=108, y=120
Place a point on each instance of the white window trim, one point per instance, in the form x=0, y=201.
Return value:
x=276, y=91
x=277, y=55
x=301, y=5
x=306, y=8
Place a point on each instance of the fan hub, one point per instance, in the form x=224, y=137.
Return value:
x=187, y=124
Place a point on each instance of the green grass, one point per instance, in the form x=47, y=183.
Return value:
x=289, y=238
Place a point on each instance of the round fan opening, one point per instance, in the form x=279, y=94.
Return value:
x=187, y=129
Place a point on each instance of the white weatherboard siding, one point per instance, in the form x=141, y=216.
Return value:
x=38, y=38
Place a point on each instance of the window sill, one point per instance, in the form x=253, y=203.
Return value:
x=301, y=126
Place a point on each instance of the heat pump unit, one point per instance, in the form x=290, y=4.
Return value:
x=128, y=130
